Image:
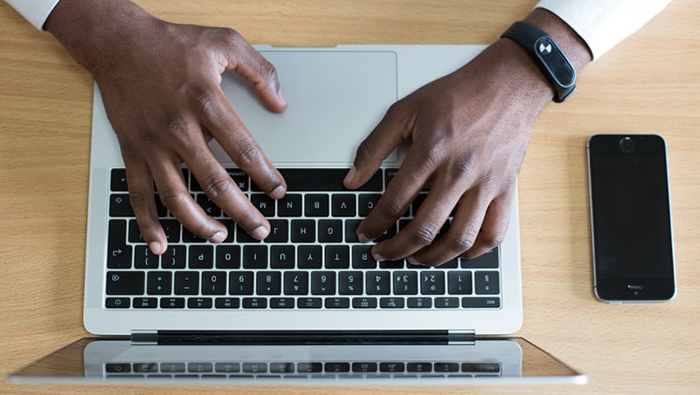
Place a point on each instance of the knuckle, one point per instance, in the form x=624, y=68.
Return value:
x=140, y=200
x=173, y=199
x=205, y=103
x=216, y=187
x=463, y=241
x=231, y=36
x=464, y=166
x=424, y=234
x=267, y=70
x=492, y=239
x=390, y=209
x=247, y=153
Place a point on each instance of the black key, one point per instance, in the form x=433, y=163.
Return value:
x=351, y=230
x=309, y=367
x=240, y=178
x=392, y=367
x=486, y=261
x=135, y=235
x=172, y=303
x=146, y=367
x=282, y=303
x=405, y=283
x=389, y=175
x=230, y=227
x=174, y=257
x=118, y=252
x=255, y=257
x=145, y=303
x=364, y=367
x=186, y=283
x=282, y=257
x=172, y=367
x=125, y=283
x=392, y=303
x=483, y=367
x=199, y=303
x=486, y=283
x=120, y=206
x=446, y=302
x=240, y=283
x=311, y=180
x=228, y=257
x=289, y=206
x=254, y=303
x=336, y=367
x=343, y=205
x=453, y=264
x=400, y=264
x=200, y=367
x=171, y=227
x=189, y=237
x=303, y=231
x=417, y=202
x=201, y=257
x=227, y=367
x=432, y=282
x=144, y=258
x=316, y=205
x=243, y=237
x=388, y=233
x=366, y=203
x=269, y=283
x=378, y=282
x=208, y=205
x=117, y=303
x=160, y=283
x=420, y=303
x=264, y=204
x=118, y=368
x=330, y=231
x=309, y=257
x=337, y=303
x=459, y=283
x=118, y=181
x=296, y=283
x=309, y=303
x=364, y=303
x=337, y=257
x=323, y=283
x=350, y=283
x=281, y=367
x=227, y=303
x=213, y=283
x=446, y=367
x=255, y=367
x=279, y=231
x=419, y=367
x=362, y=257
x=481, y=302
x=161, y=210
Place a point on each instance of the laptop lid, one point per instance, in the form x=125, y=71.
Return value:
x=336, y=96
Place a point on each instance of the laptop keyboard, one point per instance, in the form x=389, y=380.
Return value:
x=311, y=259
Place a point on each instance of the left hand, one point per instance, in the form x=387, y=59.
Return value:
x=468, y=132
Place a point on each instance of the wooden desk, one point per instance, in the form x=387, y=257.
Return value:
x=650, y=83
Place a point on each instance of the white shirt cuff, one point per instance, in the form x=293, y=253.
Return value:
x=35, y=11
x=602, y=24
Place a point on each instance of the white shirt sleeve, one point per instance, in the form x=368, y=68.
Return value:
x=35, y=11
x=602, y=24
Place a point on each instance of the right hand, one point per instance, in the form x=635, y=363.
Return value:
x=160, y=83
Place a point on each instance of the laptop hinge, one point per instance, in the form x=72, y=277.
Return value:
x=462, y=336
x=144, y=337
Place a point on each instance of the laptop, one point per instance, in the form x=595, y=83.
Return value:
x=309, y=302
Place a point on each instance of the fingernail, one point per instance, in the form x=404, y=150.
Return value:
x=413, y=261
x=378, y=257
x=218, y=237
x=363, y=238
x=281, y=98
x=260, y=232
x=155, y=247
x=278, y=192
x=350, y=175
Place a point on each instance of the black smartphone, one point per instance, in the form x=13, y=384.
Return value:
x=631, y=229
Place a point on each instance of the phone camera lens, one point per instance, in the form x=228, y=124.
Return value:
x=626, y=144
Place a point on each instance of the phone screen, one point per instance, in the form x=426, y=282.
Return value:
x=631, y=223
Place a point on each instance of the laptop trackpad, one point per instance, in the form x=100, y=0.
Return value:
x=335, y=99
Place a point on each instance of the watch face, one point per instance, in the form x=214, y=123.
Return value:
x=556, y=63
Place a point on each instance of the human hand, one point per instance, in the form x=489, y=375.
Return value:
x=468, y=132
x=160, y=83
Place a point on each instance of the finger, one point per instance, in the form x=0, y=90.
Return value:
x=461, y=235
x=494, y=227
x=224, y=192
x=426, y=224
x=227, y=128
x=376, y=147
x=402, y=190
x=174, y=195
x=142, y=200
x=251, y=65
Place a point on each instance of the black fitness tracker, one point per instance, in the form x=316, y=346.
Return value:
x=549, y=57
